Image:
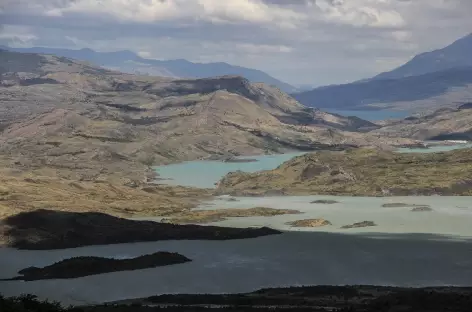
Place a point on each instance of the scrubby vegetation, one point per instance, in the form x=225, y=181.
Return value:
x=362, y=172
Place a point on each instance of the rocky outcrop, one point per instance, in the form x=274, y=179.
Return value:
x=324, y=201
x=443, y=124
x=402, y=205
x=309, y=223
x=359, y=225
x=86, y=266
x=208, y=216
x=422, y=209
x=239, y=160
x=358, y=172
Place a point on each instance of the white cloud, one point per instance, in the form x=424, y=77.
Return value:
x=374, y=13
x=300, y=41
x=150, y=11
x=19, y=36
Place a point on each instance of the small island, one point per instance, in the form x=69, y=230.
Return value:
x=208, y=216
x=402, y=205
x=312, y=223
x=422, y=209
x=359, y=225
x=239, y=160
x=86, y=266
x=324, y=201
x=229, y=199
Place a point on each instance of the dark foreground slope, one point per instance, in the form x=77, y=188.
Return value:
x=319, y=298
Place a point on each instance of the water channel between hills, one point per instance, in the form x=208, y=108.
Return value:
x=405, y=248
x=205, y=174
x=449, y=216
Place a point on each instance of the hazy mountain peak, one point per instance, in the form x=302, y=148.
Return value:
x=454, y=55
x=175, y=68
x=440, y=78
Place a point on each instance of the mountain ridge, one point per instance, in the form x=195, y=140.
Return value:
x=389, y=93
x=429, y=81
x=77, y=137
x=130, y=62
x=454, y=55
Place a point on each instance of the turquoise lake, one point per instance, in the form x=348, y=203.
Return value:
x=435, y=149
x=205, y=174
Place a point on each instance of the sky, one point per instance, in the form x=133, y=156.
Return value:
x=309, y=42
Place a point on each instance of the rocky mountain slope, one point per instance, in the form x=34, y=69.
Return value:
x=59, y=108
x=130, y=62
x=454, y=55
x=417, y=93
x=443, y=124
x=441, y=78
x=82, y=138
x=364, y=172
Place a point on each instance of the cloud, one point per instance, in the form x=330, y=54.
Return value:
x=151, y=11
x=19, y=36
x=300, y=41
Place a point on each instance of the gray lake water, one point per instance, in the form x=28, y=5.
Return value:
x=293, y=258
x=404, y=249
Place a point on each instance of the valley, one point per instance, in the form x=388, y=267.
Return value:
x=188, y=185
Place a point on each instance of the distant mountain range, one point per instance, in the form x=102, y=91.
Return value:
x=430, y=80
x=458, y=54
x=129, y=62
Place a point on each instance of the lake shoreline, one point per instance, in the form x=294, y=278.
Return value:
x=322, y=298
x=356, y=298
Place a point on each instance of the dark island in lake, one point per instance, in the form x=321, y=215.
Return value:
x=48, y=229
x=239, y=160
x=324, y=201
x=85, y=266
